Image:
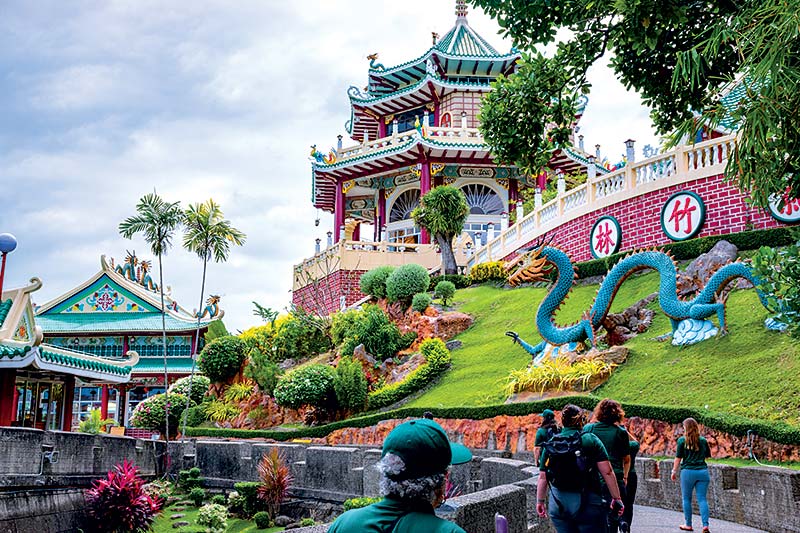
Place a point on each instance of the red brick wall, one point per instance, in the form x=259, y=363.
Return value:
x=456, y=102
x=639, y=218
x=323, y=296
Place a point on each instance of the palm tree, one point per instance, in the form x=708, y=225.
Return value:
x=210, y=236
x=157, y=220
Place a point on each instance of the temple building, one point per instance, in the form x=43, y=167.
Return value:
x=415, y=126
x=118, y=310
x=38, y=380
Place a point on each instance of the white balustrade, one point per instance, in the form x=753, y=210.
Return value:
x=610, y=184
x=575, y=198
x=654, y=169
x=549, y=212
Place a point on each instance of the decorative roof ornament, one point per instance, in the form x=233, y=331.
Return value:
x=434, y=36
x=461, y=8
x=373, y=65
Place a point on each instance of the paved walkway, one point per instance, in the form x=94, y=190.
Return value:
x=646, y=519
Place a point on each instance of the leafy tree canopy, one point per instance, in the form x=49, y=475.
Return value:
x=681, y=56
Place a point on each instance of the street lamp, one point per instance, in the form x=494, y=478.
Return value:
x=8, y=243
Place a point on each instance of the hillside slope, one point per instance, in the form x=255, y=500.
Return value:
x=751, y=372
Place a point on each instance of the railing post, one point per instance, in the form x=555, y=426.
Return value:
x=520, y=211
x=630, y=177
x=537, y=199
x=561, y=187
x=682, y=159
x=463, y=123
x=591, y=174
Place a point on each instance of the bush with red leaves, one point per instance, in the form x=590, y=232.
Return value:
x=118, y=504
x=275, y=480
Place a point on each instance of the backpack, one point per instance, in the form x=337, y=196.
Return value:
x=567, y=468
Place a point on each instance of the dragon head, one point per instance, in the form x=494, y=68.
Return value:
x=532, y=266
x=145, y=266
x=131, y=258
x=213, y=299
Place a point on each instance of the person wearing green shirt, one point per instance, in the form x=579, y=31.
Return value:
x=573, y=508
x=691, y=457
x=547, y=429
x=413, y=466
x=608, y=416
x=632, y=484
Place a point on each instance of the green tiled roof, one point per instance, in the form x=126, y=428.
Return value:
x=76, y=361
x=13, y=351
x=462, y=40
x=111, y=322
x=5, y=307
x=733, y=99
x=156, y=364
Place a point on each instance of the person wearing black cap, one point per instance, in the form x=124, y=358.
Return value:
x=414, y=463
x=546, y=430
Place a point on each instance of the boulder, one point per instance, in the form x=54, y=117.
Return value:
x=283, y=520
x=636, y=319
x=694, y=278
x=360, y=354
x=453, y=345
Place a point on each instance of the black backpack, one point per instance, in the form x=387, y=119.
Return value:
x=567, y=468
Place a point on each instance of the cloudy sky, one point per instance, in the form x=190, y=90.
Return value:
x=103, y=101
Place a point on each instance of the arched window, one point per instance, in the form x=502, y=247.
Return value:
x=482, y=200
x=404, y=205
x=446, y=120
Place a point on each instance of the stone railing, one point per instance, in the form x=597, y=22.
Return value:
x=681, y=165
x=366, y=255
x=460, y=135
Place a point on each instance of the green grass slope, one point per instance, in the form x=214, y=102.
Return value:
x=751, y=372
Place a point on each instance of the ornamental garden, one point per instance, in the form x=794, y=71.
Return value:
x=456, y=281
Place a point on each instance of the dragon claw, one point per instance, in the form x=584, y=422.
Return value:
x=514, y=336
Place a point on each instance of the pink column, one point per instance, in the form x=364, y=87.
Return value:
x=338, y=211
x=381, y=211
x=357, y=233
x=424, y=187
x=8, y=386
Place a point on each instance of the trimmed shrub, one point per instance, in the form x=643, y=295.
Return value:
x=437, y=358
x=421, y=301
x=151, y=412
x=461, y=282
x=436, y=353
x=350, y=385
x=445, y=290
x=299, y=335
x=197, y=495
x=189, y=479
x=373, y=282
x=372, y=327
x=118, y=502
x=248, y=492
x=200, y=386
x=222, y=358
x=358, y=503
x=195, y=415
x=262, y=520
x=491, y=271
x=406, y=281
x=219, y=499
x=214, y=517
x=307, y=385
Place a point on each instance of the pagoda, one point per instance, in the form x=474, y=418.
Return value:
x=415, y=126
x=117, y=310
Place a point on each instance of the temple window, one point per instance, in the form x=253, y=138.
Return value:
x=482, y=200
x=406, y=119
x=404, y=205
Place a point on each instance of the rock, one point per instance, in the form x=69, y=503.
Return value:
x=179, y=508
x=399, y=372
x=283, y=520
x=453, y=345
x=448, y=325
x=176, y=525
x=615, y=354
x=694, y=278
x=176, y=516
x=286, y=364
x=360, y=354
x=621, y=327
x=293, y=525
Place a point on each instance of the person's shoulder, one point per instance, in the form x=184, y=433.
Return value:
x=590, y=439
x=348, y=521
x=682, y=440
x=432, y=523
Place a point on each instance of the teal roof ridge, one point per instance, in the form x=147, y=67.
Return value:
x=358, y=96
x=112, y=322
x=462, y=40
x=78, y=360
x=5, y=308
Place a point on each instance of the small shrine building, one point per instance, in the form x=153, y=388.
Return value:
x=115, y=311
x=415, y=126
x=38, y=380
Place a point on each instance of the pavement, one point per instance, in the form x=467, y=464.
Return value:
x=647, y=519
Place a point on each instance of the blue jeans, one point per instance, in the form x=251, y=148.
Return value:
x=574, y=517
x=691, y=480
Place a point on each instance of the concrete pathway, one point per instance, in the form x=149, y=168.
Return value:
x=647, y=519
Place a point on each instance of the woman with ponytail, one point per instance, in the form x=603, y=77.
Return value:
x=691, y=458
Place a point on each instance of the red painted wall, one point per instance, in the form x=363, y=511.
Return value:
x=326, y=292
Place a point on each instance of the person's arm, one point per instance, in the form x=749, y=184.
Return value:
x=676, y=464
x=541, y=494
x=537, y=451
x=611, y=481
x=626, y=468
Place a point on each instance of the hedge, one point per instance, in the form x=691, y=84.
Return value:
x=690, y=249
x=778, y=432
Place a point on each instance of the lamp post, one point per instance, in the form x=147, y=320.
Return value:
x=8, y=243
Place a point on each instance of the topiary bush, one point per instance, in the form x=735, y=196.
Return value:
x=373, y=282
x=421, y=301
x=491, y=271
x=250, y=504
x=197, y=495
x=307, y=385
x=222, y=358
x=445, y=290
x=214, y=517
x=436, y=353
x=262, y=520
x=350, y=385
x=151, y=412
x=200, y=386
x=219, y=499
x=406, y=281
x=372, y=327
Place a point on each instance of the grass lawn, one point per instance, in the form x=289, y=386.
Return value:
x=751, y=372
x=163, y=524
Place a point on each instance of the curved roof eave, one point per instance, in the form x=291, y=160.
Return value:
x=433, y=51
x=410, y=89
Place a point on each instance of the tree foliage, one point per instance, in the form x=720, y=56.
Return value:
x=442, y=211
x=681, y=56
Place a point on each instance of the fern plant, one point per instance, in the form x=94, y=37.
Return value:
x=239, y=392
x=558, y=375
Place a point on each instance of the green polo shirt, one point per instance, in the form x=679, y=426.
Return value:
x=591, y=447
x=693, y=459
x=543, y=435
x=616, y=441
x=380, y=517
x=634, y=452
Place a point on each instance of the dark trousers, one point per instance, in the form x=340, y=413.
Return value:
x=577, y=513
x=613, y=517
x=630, y=497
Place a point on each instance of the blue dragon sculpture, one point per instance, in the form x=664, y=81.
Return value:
x=688, y=317
x=128, y=269
x=211, y=309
